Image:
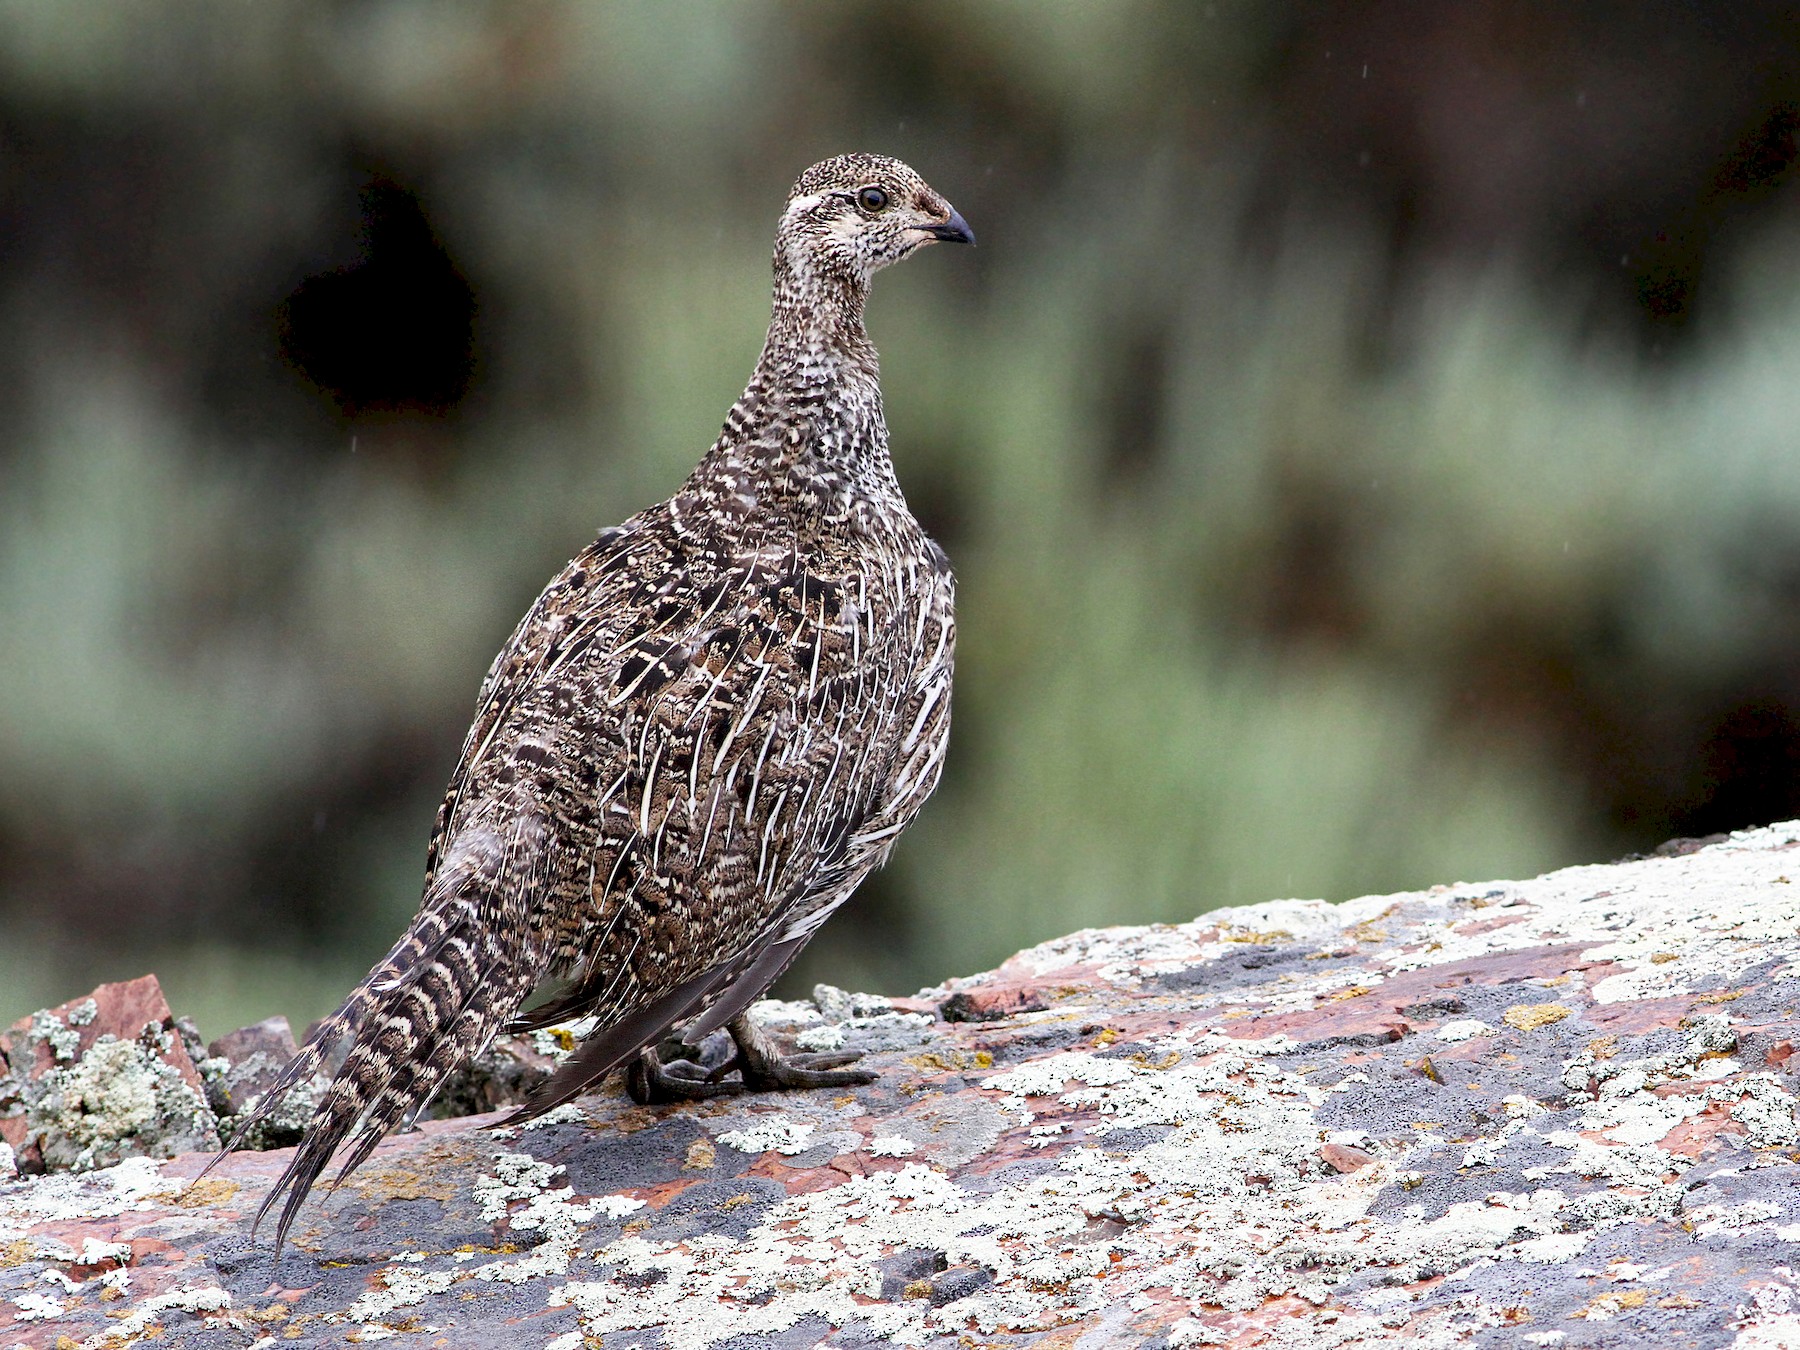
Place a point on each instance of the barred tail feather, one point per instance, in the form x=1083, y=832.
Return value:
x=397, y=1063
x=460, y=971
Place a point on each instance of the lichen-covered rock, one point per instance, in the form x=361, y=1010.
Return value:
x=1548, y=1113
x=240, y=1067
x=102, y=1079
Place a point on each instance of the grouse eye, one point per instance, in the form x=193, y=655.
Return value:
x=873, y=200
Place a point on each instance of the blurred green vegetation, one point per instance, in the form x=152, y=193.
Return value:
x=1330, y=518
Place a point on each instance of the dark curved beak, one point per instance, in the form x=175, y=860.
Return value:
x=954, y=230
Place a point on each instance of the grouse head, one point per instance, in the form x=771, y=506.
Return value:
x=852, y=215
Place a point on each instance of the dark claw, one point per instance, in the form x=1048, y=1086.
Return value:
x=833, y=1059
x=650, y=1081
x=786, y=1073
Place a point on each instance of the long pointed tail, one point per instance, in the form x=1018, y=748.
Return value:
x=460, y=971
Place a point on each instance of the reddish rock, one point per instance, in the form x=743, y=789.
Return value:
x=1344, y=1158
x=256, y=1055
x=992, y=1003
x=100, y=1079
x=119, y=1010
x=272, y=1037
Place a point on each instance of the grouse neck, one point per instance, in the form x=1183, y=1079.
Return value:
x=807, y=437
x=818, y=370
x=819, y=315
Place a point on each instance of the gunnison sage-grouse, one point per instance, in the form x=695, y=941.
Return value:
x=712, y=725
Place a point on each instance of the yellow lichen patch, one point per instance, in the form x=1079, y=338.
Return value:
x=1663, y=958
x=1168, y=1061
x=1531, y=1016
x=700, y=1155
x=918, y=1289
x=396, y=1181
x=203, y=1194
x=67, y=1343
x=16, y=1253
x=951, y=1061
x=1612, y=1303
x=1724, y=996
x=564, y=1038
x=1679, y=1301
x=1603, y=1047
x=1106, y=1037
x=275, y=1312
x=1260, y=938
x=1354, y=991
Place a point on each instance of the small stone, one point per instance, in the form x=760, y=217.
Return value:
x=502, y=1075
x=839, y=1005
x=991, y=1003
x=1344, y=1158
x=959, y=1282
x=272, y=1037
x=244, y=1064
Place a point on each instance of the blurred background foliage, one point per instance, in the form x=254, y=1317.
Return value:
x=1366, y=436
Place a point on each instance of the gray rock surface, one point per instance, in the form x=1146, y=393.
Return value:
x=1547, y=1113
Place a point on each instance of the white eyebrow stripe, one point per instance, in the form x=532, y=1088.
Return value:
x=800, y=205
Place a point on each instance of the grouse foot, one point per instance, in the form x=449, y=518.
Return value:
x=760, y=1064
x=765, y=1069
x=649, y=1080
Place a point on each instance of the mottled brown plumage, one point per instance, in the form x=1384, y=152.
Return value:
x=711, y=726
